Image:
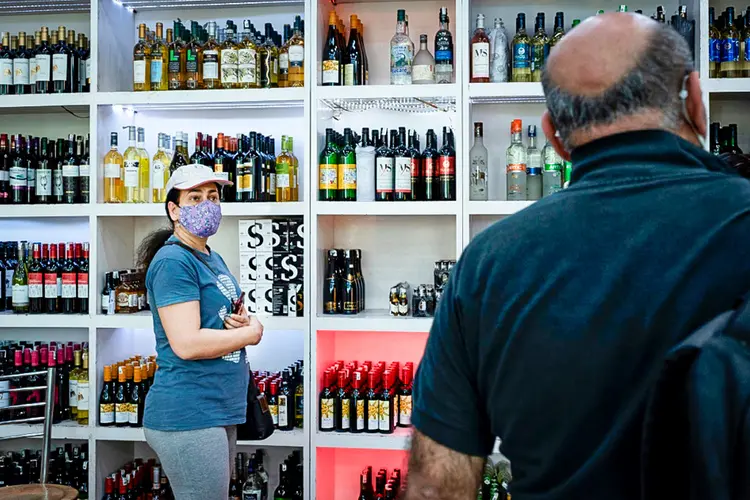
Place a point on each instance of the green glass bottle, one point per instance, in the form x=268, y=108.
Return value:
x=20, y=285
x=347, y=178
x=329, y=160
x=559, y=29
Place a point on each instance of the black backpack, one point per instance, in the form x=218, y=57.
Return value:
x=696, y=434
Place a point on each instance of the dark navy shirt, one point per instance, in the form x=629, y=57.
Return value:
x=555, y=320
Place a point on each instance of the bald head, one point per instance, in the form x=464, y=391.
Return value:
x=614, y=73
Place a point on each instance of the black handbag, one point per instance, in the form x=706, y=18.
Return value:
x=258, y=421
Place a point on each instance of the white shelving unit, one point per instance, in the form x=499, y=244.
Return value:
x=399, y=240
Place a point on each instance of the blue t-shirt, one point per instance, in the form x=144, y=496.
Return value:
x=202, y=393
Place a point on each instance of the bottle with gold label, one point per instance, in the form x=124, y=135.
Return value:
x=296, y=44
x=131, y=169
x=247, y=57
x=160, y=172
x=141, y=66
x=82, y=415
x=211, y=78
x=194, y=60
x=144, y=172
x=176, y=59
x=159, y=61
x=229, y=67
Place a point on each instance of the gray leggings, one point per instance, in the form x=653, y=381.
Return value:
x=197, y=462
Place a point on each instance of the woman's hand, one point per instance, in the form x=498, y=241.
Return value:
x=232, y=321
x=253, y=331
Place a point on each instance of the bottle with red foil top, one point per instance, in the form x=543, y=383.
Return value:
x=405, y=398
x=60, y=262
x=82, y=279
x=387, y=421
x=327, y=397
x=51, y=272
x=69, y=281
x=36, y=282
x=357, y=403
x=447, y=168
x=16, y=383
x=372, y=403
x=341, y=411
x=33, y=381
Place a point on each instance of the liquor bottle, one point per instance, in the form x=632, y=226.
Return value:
x=35, y=282
x=178, y=158
x=85, y=74
x=82, y=389
x=137, y=400
x=327, y=403
x=356, y=404
x=69, y=282
x=141, y=62
x=247, y=57
x=402, y=52
x=715, y=146
x=552, y=172
x=372, y=404
x=18, y=172
x=731, y=142
x=402, y=165
x=283, y=490
x=73, y=385
x=350, y=289
x=122, y=399
x=341, y=409
x=21, y=82
x=332, y=285
x=113, y=164
x=299, y=400
x=297, y=55
x=405, y=398
x=447, y=168
x=365, y=489
x=516, y=160
x=60, y=61
x=353, y=59
x=144, y=172
x=539, y=49
x=480, y=54
x=43, y=188
x=82, y=279
x=131, y=169
x=347, y=169
x=269, y=61
x=253, y=487
x=84, y=170
x=521, y=64
x=559, y=29
x=176, y=61
x=107, y=400
x=478, y=181
x=159, y=173
x=424, y=64
x=331, y=54
x=229, y=59
x=384, y=170
x=284, y=58
x=415, y=157
x=74, y=62
x=730, y=55
x=193, y=58
x=31, y=148
x=71, y=173
x=52, y=302
x=533, y=168
x=5, y=166
x=284, y=172
x=444, y=49
x=6, y=66
x=158, y=61
x=286, y=403
x=714, y=46
x=328, y=175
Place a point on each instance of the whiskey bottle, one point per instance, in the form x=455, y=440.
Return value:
x=141, y=62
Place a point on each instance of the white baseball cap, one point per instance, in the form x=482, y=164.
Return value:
x=193, y=175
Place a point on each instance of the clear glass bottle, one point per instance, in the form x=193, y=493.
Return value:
x=160, y=172
x=144, y=171
x=211, y=77
x=402, y=52
x=552, y=170
x=141, y=67
x=516, y=161
x=533, y=168
x=159, y=61
x=730, y=56
x=253, y=487
x=478, y=181
x=229, y=66
x=539, y=49
x=113, y=165
x=479, y=57
x=247, y=59
x=444, y=49
x=559, y=29
x=130, y=169
x=297, y=55
x=521, y=64
x=423, y=70
x=270, y=64
x=500, y=54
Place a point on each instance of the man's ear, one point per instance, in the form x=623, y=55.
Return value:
x=550, y=131
x=696, y=109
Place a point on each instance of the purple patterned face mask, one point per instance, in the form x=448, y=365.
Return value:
x=202, y=219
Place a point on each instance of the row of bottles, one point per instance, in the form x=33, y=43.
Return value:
x=370, y=167
x=728, y=44
x=493, y=57
x=345, y=63
x=42, y=170
x=531, y=173
x=343, y=282
x=123, y=396
x=249, y=161
x=68, y=466
x=138, y=480
x=383, y=488
x=71, y=379
x=250, y=481
x=44, y=64
x=496, y=479
x=285, y=394
x=206, y=57
x=366, y=397
x=44, y=278
x=124, y=292
x=724, y=139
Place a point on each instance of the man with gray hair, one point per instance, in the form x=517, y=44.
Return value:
x=556, y=321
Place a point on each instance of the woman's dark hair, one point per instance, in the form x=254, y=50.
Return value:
x=154, y=241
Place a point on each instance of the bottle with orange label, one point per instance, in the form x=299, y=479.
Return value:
x=516, y=159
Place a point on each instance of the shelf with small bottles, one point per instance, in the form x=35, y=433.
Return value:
x=728, y=53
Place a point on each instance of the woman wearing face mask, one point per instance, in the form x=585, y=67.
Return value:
x=200, y=389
